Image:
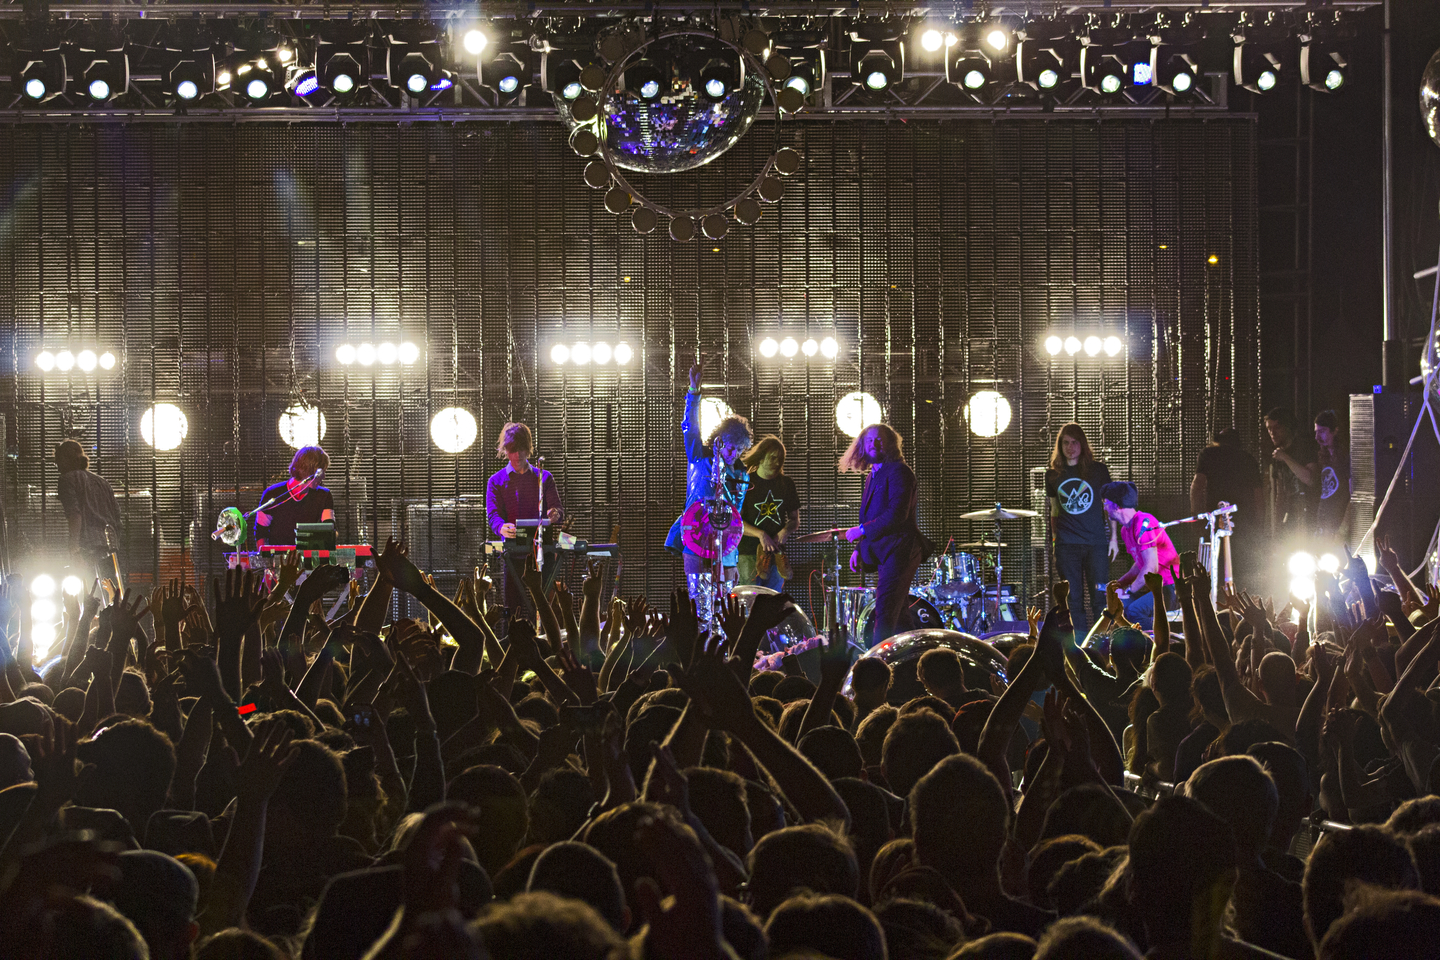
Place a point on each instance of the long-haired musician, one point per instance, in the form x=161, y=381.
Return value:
x=299, y=499
x=1085, y=541
x=514, y=493
x=887, y=539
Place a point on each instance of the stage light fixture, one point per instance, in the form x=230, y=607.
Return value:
x=997, y=38
x=769, y=347
x=623, y=353
x=969, y=70
x=1329, y=563
x=645, y=79
x=1175, y=73
x=1102, y=70
x=303, y=82
x=988, y=413
x=803, y=49
x=408, y=353
x=560, y=75
x=64, y=360
x=107, y=361
x=855, y=411
x=475, y=41
x=559, y=353
x=43, y=585
x=1302, y=564
x=164, y=426
x=1045, y=55
x=43, y=609
x=829, y=348
x=387, y=353
x=1053, y=345
x=788, y=347
x=580, y=354
x=45, y=360
x=453, y=429
x=342, y=75
x=713, y=411
x=600, y=353
x=302, y=425
x=72, y=585
x=345, y=353
x=1093, y=346
x=106, y=76
x=1322, y=66
x=1256, y=66
x=342, y=57
x=192, y=76
x=809, y=347
x=365, y=354
x=86, y=360
x=878, y=71
x=41, y=74
x=507, y=73
x=932, y=39
x=720, y=77
x=415, y=74
x=1113, y=346
x=255, y=79
x=1072, y=345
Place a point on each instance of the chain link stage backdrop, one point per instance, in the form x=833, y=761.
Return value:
x=224, y=264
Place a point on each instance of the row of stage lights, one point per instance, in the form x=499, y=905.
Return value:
x=345, y=59
x=599, y=353
x=64, y=361
x=385, y=354
x=788, y=347
x=1092, y=346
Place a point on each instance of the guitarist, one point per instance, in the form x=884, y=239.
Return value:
x=721, y=450
x=91, y=513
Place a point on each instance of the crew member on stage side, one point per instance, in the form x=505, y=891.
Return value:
x=888, y=538
x=89, y=502
x=299, y=499
x=1335, y=483
x=1085, y=541
x=513, y=493
x=771, y=514
x=1149, y=547
x=730, y=439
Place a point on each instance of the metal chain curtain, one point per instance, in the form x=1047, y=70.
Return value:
x=939, y=254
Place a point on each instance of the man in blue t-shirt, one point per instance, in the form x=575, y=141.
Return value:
x=1085, y=540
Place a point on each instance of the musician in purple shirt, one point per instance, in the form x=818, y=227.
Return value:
x=513, y=493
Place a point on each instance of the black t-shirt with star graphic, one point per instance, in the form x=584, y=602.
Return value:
x=768, y=504
x=1081, y=518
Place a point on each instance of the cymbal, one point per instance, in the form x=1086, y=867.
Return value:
x=982, y=545
x=998, y=512
x=820, y=536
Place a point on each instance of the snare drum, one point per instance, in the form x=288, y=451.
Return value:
x=957, y=575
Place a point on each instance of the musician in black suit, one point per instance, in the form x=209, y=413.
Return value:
x=888, y=538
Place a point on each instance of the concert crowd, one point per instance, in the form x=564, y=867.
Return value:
x=287, y=770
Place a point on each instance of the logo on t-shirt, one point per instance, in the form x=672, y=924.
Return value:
x=1076, y=496
x=768, y=509
x=1329, y=483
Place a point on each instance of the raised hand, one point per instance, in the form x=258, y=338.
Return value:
x=433, y=858
x=265, y=763
x=687, y=924
x=674, y=787
x=396, y=567
x=768, y=611
x=715, y=691
x=695, y=373
x=834, y=661
x=732, y=618
x=53, y=763
x=286, y=574
x=1253, y=614
x=577, y=677
x=684, y=632
x=1154, y=583
x=128, y=611
x=321, y=581
x=239, y=605
x=1050, y=647
x=172, y=609
x=594, y=579
x=202, y=676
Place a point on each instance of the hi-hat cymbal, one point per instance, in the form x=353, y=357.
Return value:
x=998, y=512
x=820, y=536
x=982, y=545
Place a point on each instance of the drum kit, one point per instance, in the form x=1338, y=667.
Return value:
x=962, y=593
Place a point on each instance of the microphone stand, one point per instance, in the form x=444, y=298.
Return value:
x=276, y=500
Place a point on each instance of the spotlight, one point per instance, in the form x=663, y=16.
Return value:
x=1302, y=564
x=829, y=348
x=345, y=353
x=45, y=360
x=342, y=57
x=788, y=347
x=64, y=360
x=560, y=75
x=41, y=74
x=1072, y=345
x=1093, y=346
x=43, y=585
x=719, y=78
x=507, y=73
x=107, y=360
x=302, y=425
x=713, y=411
x=365, y=354
x=1045, y=54
x=414, y=73
x=997, y=38
x=72, y=586
x=988, y=413
x=44, y=608
x=192, y=77
x=580, y=354
x=969, y=70
x=1322, y=67
x=107, y=75
x=807, y=61
x=768, y=347
x=408, y=353
x=453, y=429
x=86, y=360
x=645, y=80
x=475, y=41
x=600, y=353
x=559, y=353
x=932, y=40
x=255, y=79
x=1053, y=345
x=855, y=411
x=1329, y=563
x=342, y=75
x=164, y=426
x=810, y=347
x=387, y=353
x=1302, y=588
x=304, y=82
x=1175, y=73
x=1113, y=346
x=1102, y=70
x=623, y=353
x=1256, y=66
x=878, y=71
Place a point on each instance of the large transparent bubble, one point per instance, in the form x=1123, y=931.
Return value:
x=680, y=129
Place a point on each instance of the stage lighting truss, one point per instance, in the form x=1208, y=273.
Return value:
x=1258, y=64
x=105, y=74
x=584, y=354
x=72, y=361
x=41, y=74
x=803, y=346
x=386, y=353
x=621, y=196
x=1093, y=345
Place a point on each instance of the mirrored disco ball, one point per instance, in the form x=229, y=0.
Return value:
x=1430, y=97
x=679, y=129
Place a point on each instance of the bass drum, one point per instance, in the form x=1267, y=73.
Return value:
x=923, y=615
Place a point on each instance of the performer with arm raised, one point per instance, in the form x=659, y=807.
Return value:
x=888, y=538
x=300, y=499
x=517, y=491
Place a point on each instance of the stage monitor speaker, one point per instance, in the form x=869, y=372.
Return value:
x=1380, y=425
